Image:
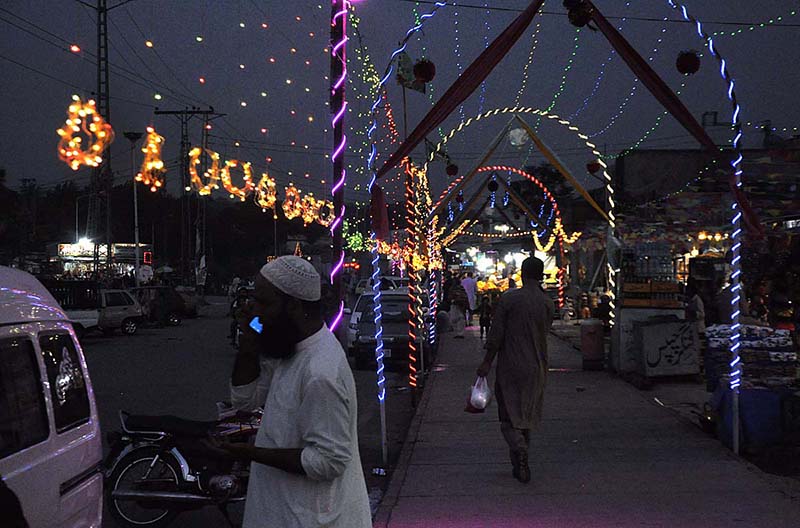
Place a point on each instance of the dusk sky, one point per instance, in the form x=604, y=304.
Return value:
x=271, y=81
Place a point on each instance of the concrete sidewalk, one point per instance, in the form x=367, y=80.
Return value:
x=604, y=455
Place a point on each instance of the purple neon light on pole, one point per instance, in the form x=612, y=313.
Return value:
x=338, y=104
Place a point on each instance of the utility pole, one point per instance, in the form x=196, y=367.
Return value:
x=102, y=179
x=187, y=223
x=133, y=137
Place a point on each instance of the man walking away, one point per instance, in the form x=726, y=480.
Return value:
x=518, y=338
x=305, y=465
x=485, y=314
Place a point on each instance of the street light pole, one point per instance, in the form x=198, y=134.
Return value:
x=133, y=137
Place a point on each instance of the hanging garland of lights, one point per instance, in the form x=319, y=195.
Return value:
x=266, y=193
x=247, y=176
x=211, y=174
x=153, y=170
x=83, y=118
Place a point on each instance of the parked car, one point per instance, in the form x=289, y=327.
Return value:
x=161, y=304
x=387, y=283
x=395, y=331
x=50, y=443
x=92, y=308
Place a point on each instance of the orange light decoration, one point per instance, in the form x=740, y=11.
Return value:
x=292, y=205
x=152, y=171
x=325, y=212
x=237, y=192
x=211, y=174
x=83, y=118
x=308, y=208
x=265, y=193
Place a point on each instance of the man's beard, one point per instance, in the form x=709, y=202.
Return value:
x=279, y=336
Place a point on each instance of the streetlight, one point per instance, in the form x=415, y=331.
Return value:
x=77, y=224
x=133, y=137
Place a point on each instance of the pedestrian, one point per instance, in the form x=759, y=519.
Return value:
x=459, y=304
x=471, y=287
x=695, y=308
x=305, y=464
x=485, y=315
x=518, y=338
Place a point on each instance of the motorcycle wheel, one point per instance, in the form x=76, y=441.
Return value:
x=130, y=472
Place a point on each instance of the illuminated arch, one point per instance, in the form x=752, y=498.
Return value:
x=610, y=205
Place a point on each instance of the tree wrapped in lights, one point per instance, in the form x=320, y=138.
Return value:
x=153, y=170
x=83, y=118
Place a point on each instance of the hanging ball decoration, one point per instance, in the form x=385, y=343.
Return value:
x=424, y=71
x=493, y=186
x=593, y=166
x=452, y=169
x=460, y=198
x=326, y=212
x=579, y=13
x=688, y=62
x=518, y=137
x=83, y=118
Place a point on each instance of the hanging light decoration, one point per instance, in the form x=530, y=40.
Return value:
x=153, y=170
x=237, y=192
x=83, y=118
x=265, y=194
x=211, y=174
x=292, y=205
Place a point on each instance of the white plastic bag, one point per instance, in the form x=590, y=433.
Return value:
x=481, y=394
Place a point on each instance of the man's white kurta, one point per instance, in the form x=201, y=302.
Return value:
x=310, y=405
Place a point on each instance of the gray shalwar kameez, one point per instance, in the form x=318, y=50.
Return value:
x=518, y=335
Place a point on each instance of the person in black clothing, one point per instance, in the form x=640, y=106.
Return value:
x=485, y=314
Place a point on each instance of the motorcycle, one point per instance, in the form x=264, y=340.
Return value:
x=157, y=467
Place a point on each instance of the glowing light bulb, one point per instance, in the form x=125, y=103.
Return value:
x=148, y=43
x=157, y=97
x=263, y=94
x=236, y=144
x=202, y=80
x=241, y=66
x=298, y=18
x=241, y=24
x=293, y=50
x=310, y=119
x=263, y=130
x=272, y=60
x=199, y=38
x=75, y=48
x=264, y=25
x=288, y=81
x=243, y=103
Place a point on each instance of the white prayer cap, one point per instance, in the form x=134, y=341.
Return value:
x=294, y=276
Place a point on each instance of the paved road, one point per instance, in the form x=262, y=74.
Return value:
x=185, y=370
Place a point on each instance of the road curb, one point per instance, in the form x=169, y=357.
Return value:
x=398, y=478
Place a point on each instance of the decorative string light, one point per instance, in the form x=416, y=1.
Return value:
x=266, y=194
x=338, y=52
x=370, y=166
x=735, y=372
x=753, y=27
x=83, y=118
x=600, y=75
x=534, y=43
x=211, y=174
x=153, y=170
x=293, y=204
x=237, y=192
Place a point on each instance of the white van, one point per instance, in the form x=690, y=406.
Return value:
x=50, y=444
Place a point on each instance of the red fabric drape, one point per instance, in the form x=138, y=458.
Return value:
x=472, y=77
x=672, y=104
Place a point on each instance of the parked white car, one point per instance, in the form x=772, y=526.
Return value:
x=50, y=444
x=387, y=283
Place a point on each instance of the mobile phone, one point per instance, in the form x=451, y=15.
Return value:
x=256, y=325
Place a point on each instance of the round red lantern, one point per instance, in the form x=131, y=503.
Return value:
x=593, y=166
x=424, y=71
x=451, y=169
x=688, y=62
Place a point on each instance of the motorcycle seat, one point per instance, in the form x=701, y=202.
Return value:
x=168, y=424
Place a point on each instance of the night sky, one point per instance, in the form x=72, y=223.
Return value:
x=271, y=81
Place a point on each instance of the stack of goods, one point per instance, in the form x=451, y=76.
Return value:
x=769, y=357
